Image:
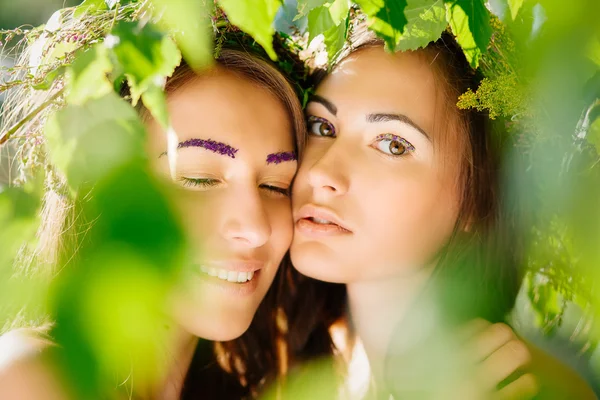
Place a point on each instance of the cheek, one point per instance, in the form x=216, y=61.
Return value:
x=409, y=219
x=280, y=218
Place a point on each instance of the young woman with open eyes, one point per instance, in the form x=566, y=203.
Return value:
x=398, y=198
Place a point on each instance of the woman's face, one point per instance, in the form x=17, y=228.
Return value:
x=232, y=198
x=374, y=198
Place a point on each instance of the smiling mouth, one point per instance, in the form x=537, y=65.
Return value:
x=229, y=276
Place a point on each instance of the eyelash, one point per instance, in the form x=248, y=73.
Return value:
x=207, y=183
x=313, y=120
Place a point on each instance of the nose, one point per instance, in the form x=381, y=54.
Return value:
x=327, y=175
x=246, y=222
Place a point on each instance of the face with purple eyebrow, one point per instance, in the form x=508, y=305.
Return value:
x=234, y=164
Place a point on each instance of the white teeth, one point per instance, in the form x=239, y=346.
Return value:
x=321, y=221
x=230, y=276
x=242, y=277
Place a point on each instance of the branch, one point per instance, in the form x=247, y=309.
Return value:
x=4, y=138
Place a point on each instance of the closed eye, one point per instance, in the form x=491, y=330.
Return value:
x=279, y=191
x=199, y=182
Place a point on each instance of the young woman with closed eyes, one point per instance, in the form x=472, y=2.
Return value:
x=240, y=128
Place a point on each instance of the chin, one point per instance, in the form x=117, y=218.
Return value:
x=219, y=329
x=320, y=262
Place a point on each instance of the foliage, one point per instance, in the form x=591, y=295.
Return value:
x=74, y=134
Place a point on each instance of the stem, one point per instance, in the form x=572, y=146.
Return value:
x=4, y=138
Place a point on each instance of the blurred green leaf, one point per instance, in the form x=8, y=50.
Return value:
x=189, y=20
x=89, y=7
x=254, y=17
x=470, y=23
x=386, y=18
x=305, y=6
x=155, y=100
x=50, y=78
x=426, y=22
x=144, y=54
x=18, y=219
x=88, y=141
x=514, y=6
x=87, y=76
x=326, y=18
x=593, y=136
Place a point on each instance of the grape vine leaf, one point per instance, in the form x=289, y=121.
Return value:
x=335, y=38
x=470, y=23
x=89, y=7
x=305, y=6
x=426, y=22
x=386, y=19
x=327, y=17
x=254, y=17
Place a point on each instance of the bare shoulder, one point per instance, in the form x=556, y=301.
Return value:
x=23, y=373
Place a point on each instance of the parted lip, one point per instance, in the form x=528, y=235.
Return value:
x=235, y=265
x=320, y=212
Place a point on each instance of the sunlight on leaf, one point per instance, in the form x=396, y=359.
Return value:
x=326, y=18
x=386, y=18
x=88, y=141
x=189, y=20
x=515, y=6
x=470, y=22
x=255, y=17
x=426, y=22
x=144, y=54
x=87, y=76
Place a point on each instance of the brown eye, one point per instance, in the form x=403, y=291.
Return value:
x=397, y=148
x=392, y=145
x=320, y=127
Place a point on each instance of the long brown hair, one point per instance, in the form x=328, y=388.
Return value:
x=479, y=269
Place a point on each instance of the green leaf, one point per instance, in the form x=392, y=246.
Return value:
x=515, y=6
x=254, y=17
x=470, y=23
x=50, y=78
x=87, y=76
x=305, y=6
x=88, y=141
x=189, y=20
x=334, y=39
x=327, y=18
x=426, y=22
x=90, y=7
x=155, y=101
x=144, y=54
x=593, y=135
x=386, y=18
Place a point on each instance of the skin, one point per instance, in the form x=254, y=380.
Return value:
x=397, y=202
x=236, y=212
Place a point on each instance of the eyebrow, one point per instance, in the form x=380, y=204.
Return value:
x=326, y=103
x=386, y=117
x=212, y=145
x=284, y=156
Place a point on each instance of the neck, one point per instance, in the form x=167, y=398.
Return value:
x=377, y=309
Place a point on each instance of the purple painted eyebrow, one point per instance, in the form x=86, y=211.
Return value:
x=209, y=144
x=277, y=158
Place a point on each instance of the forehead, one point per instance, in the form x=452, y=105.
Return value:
x=372, y=80
x=225, y=106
